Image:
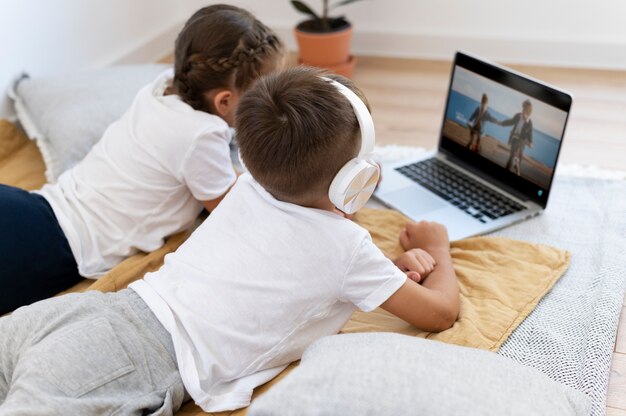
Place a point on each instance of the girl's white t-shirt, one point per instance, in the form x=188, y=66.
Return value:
x=255, y=284
x=143, y=181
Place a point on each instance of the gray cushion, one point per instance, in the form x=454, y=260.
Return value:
x=392, y=374
x=68, y=114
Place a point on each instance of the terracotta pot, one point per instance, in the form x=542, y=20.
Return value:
x=324, y=49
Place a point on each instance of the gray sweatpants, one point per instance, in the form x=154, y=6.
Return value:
x=87, y=354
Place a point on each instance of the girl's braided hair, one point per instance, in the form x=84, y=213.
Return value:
x=221, y=46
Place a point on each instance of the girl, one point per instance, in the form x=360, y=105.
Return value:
x=151, y=173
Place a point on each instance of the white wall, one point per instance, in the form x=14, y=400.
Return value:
x=51, y=37
x=547, y=32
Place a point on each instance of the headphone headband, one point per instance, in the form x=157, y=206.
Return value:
x=355, y=182
x=363, y=116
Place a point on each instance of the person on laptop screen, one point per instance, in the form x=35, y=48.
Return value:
x=477, y=122
x=521, y=135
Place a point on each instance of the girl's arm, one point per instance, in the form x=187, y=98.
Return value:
x=210, y=205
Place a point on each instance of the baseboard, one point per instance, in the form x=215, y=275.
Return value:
x=6, y=109
x=592, y=54
x=575, y=54
x=150, y=50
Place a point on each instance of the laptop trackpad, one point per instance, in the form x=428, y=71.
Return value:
x=414, y=201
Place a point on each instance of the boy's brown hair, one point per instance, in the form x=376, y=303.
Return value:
x=295, y=131
x=222, y=46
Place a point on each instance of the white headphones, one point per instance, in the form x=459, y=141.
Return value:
x=355, y=182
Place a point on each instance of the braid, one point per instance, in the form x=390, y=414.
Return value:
x=182, y=81
x=250, y=57
x=221, y=46
x=245, y=54
x=216, y=64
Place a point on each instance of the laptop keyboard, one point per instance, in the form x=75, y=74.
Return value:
x=460, y=190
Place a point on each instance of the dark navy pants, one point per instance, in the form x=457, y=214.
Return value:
x=35, y=258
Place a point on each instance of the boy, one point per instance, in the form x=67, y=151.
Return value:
x=271, y=270
x=521, y=136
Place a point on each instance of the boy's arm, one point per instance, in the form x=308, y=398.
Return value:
x=434, y=304
x=509, y=122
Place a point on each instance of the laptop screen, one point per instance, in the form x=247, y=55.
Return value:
x=505, y=125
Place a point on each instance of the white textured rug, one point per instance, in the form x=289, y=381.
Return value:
x=570, y=336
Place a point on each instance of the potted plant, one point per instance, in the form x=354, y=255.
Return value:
x=324, y=41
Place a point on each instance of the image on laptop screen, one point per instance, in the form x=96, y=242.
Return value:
x=515, y=123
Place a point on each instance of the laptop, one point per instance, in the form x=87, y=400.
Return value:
x=500, y=139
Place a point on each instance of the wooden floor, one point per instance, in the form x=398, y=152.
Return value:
x=407, y=99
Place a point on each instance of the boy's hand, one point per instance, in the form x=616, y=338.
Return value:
x=425, y=235
x=416, y=263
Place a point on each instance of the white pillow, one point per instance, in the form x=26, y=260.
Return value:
x=392, y=374
x=68, y=114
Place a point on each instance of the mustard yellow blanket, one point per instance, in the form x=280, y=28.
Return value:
x=501, y=280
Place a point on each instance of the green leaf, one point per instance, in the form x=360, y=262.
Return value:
x=343, y=3
x=303, y=8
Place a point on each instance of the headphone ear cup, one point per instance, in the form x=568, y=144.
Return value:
x=353, y=185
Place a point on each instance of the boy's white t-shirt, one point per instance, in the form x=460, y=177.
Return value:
x=255, y=284
x=143, y=181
